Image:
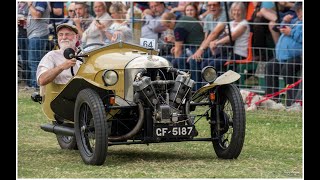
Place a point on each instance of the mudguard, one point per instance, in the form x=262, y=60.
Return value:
x=60, y=99
x=226, y=78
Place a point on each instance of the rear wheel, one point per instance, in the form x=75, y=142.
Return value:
x=229, y=135
x=91, y=127
x=67, y=142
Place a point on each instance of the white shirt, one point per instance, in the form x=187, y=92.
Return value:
x=51, y=60
x=93, y=34
x=241, y=43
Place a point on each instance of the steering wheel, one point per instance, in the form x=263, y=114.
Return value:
x=81, y=49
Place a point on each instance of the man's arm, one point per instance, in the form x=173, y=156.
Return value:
x=178, y=49
x=49, y=75
x=36, y=13
x=212, y=36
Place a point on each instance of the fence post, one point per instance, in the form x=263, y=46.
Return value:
x=137, y=23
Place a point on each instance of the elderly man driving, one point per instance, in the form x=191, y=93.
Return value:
x=54, y=67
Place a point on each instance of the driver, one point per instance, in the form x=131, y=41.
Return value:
x=54, y=67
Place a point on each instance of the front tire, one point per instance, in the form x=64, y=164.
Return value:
x=91, y=127
x=229, y=139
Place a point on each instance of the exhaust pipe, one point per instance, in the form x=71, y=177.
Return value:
x=58, y=129
x=135, y=130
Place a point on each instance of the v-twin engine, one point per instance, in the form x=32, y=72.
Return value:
x=169, y=99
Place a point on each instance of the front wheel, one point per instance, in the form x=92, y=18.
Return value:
x=229, y=113
x=91, y=127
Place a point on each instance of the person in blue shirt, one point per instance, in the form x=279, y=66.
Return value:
x=288, y=61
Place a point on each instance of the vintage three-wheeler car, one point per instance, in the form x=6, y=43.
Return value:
x=127, y=94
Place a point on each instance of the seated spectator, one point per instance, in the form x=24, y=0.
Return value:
x=288, y=59
x=191, y=10
x=71, y=13
x=214, y=24
x=213, y=27
x=240, y=32
x=123, y=33
x=118, y=14
x=95, y=32
x=188, y=34
x=179, y=10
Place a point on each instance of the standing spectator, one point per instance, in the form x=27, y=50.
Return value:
x=57, y=9
x=56, y=18
x=271, y=15
x=22, y=39
x=261, y=35
x=83, y=19
x=95, y=32
x=288, y=55
x=152, y=28
x=37, y=32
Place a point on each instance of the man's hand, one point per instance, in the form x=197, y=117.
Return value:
x=172, y=50
x=77, y=20
x=29, y=3
x=68, y=63
x=213, y=44
x=169, y=38
x=286, y=30
x=287, y=18
x=148, y=12
x=198, y=55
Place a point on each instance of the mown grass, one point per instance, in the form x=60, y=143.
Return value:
x=273, y=149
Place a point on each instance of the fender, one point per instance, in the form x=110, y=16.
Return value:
x=48, y=93
x=226, y=78
x=63, y=104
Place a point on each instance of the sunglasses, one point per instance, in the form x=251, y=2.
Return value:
x=71, y=10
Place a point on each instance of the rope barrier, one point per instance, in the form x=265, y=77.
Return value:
x=268, y=96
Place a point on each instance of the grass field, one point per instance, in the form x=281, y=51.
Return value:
x=273, y=148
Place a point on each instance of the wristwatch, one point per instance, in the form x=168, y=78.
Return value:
x=203, y=49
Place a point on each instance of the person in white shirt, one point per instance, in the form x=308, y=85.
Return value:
x=54, y=67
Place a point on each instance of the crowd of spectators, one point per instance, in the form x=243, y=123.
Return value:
x=189, y=34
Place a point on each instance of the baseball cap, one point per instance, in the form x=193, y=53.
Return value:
x=69, y=26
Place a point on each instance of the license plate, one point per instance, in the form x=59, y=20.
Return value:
x=174, y=131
